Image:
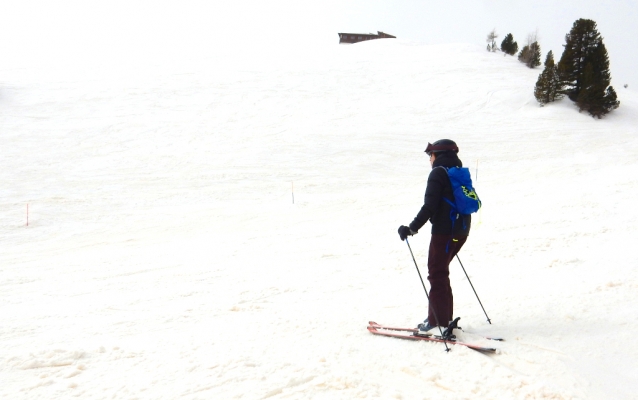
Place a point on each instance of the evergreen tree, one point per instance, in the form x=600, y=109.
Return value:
x=509, y=46
x=523, y=56
x=548, y=86
x=610, y=100
x=593, y=97
x=589, y=94
x=584, y=70
x=531, y=55
x=535, y=57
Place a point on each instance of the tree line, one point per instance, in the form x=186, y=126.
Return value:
x=582, y=73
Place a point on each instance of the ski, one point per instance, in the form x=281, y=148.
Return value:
x=404, y=333
x=415, y=330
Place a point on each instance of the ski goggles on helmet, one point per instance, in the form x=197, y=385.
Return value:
x=437, y=148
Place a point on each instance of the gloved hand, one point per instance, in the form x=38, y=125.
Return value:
x=405, y=231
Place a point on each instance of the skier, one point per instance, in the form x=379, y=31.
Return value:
x=449, y=233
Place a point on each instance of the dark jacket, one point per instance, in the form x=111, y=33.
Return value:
x=434, y=207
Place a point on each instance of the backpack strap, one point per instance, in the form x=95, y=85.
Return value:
x=454, y=215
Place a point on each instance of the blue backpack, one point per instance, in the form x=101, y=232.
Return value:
x=466, y=201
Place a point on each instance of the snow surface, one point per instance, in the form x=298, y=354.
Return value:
x=164, y=257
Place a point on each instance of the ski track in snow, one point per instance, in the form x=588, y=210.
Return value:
x=164, y=257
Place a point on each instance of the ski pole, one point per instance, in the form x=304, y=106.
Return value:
x=477, y=297
x=436, y=318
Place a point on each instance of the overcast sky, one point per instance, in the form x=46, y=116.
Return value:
x=74, y=31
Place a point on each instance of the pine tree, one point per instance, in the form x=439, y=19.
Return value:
x=514, y=48
x=589, y=94
x=523, y=55
x=548, y=86
x=584, y=70
x=610, y=100
x=535, y=56
x=531, y=55
x=593, y=97
x=509, y=46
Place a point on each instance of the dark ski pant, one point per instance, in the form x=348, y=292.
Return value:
x=443, y=248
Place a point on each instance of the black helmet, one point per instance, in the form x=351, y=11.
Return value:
x=441, y=146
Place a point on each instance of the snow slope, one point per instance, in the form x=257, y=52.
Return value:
x=164, y=257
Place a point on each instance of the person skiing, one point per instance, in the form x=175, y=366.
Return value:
x=449, y=232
